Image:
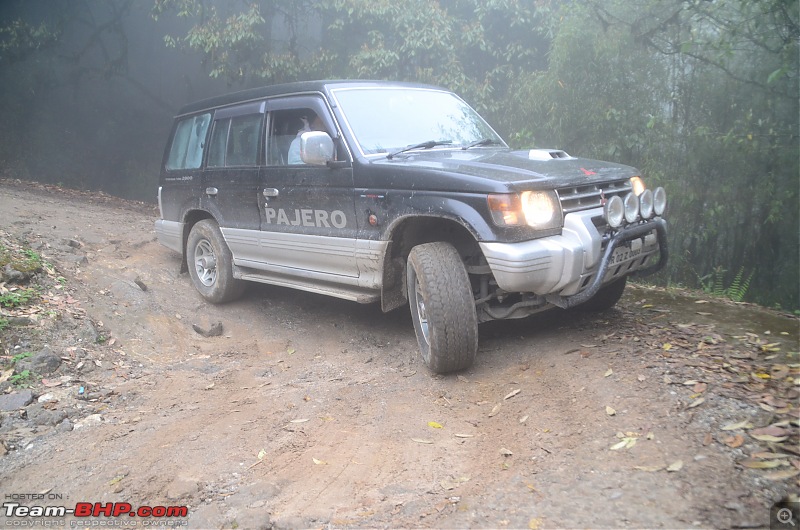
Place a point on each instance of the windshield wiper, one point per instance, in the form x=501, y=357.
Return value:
x=481, y=143
x=424, y=145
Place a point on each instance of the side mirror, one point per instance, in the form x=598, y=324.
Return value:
x=316, y=148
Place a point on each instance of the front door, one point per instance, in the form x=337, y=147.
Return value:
x=307, y=212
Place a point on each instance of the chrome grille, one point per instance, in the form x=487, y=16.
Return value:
x=578, y=198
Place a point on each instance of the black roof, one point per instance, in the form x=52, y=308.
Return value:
x=288, y=88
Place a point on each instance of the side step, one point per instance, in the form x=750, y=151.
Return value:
x=346, y=292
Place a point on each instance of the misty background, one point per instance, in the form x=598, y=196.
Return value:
x=701, y=95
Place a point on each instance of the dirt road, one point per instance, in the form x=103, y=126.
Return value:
x=314, y=412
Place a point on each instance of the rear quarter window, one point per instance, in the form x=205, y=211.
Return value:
x=186, y=151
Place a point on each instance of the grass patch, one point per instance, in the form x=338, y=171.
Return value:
x=18, y=297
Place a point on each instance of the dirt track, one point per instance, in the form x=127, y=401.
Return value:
x=311, y=412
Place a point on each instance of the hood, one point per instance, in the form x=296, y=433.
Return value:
x=511, y=170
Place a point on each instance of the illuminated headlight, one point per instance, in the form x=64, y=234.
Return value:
x=646, y=204
x=631, y=208
x=638, y=185
x=659, y=201
x=538, y=209
x=614, y=211
x=541, y=209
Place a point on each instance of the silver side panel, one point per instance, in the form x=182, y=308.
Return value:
x=561, y=264
x=170, y=234
x=311, y=283
x=334, y=260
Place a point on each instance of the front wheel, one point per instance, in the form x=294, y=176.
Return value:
x=211, y=264
x=442, y=307
x=606, y=298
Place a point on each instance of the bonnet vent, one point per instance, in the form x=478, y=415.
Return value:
x=547, y=154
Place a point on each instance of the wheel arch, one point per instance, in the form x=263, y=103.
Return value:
x=410, y=231
x=190, y=218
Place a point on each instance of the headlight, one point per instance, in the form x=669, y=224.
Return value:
x=538, y=209
x=646, y=204
x=659, y=201
x=638, y=185
x=631, y=208
x=541, y=209
x=614, y=211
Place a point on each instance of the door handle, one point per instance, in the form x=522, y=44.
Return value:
x=270, y=192
x=211, y=191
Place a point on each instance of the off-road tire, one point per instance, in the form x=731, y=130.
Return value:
x=442, y=307
x=606, y=298
x=210, y=264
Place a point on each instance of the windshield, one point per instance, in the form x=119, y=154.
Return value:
x=384, y=120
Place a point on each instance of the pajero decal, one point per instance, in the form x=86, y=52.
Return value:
x=306, y=217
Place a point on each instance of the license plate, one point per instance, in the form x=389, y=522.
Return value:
x=624, y=254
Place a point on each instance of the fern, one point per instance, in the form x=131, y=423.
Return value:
x=714, y=284
x=738, y=288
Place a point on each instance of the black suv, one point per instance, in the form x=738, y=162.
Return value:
x=398, y=193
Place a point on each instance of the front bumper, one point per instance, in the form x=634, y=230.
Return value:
x=570, y=268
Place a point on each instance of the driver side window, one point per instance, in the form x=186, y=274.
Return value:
x=284, y=138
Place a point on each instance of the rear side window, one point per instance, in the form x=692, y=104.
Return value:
x=234, y=141
x=186, y=151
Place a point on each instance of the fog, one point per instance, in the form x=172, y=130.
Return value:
x=703, y=97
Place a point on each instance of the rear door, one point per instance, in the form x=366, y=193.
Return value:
x=231, y=179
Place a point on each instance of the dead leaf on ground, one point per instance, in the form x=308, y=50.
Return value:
x=782, y=475
x=434, y=425
x=752, y=463
x=495, y=410
x=512, y=393
x=744, y=424
x=769, y=438
x=459, y=435
x=772, y=430
x=608, y=372
x=767, y=455
x=696, y=403
x=675, y=466
x=625, y=443
x=319, y=462
x=421, y=441
x=734, y=441
x=505, y=452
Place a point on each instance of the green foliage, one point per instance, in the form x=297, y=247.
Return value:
x=714, y=284
x=17, y=297
x=23, y=379
x=18, y=357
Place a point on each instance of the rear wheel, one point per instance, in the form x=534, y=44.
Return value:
x=211, y=264
x=606, y=298
x=442, y=307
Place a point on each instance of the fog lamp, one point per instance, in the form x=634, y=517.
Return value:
x=631, y=208
x=659, y=201
x=646, y=204
x=614, y=211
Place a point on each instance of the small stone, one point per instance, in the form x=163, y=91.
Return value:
x=65, y=426
x=39, y=415
x=16, y=400
x=214, y=331
x=43, y=363
x=138, y=281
